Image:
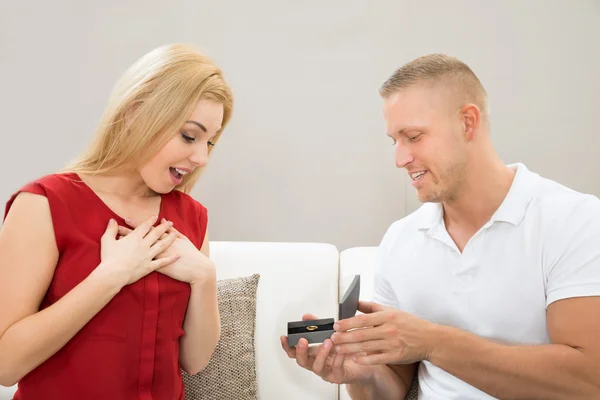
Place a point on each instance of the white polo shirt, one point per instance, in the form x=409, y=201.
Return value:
x=540, y=246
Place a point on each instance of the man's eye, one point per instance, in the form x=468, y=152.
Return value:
x=413, y=138
x=187, y=138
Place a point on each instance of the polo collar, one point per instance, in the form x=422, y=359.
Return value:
x=512, y=209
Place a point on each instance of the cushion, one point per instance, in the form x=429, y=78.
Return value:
x=413, y=393
x=231, y=372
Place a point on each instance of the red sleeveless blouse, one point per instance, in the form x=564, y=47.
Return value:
x=130, y=349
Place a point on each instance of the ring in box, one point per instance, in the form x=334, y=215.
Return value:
x=317, y=330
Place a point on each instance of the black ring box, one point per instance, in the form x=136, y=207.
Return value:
x=317, y=330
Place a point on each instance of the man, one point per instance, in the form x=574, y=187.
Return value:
x=491, y=289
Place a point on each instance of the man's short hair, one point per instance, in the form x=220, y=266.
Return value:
x=439, y=69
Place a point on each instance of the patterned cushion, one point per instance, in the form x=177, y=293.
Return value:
x=231, y=372
x=413, y=393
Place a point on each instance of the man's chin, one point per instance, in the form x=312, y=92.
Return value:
x=425, y=197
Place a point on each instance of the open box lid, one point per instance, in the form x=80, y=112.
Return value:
x=349, y=303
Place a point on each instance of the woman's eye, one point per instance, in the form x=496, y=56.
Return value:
x=211, y=144
x=187, y=138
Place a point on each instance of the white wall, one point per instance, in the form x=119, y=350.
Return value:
x=305, y=157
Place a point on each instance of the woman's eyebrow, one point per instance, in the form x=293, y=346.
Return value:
x=198, y=124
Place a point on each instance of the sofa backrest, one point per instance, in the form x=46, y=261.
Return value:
x=296, y=278
x=357, y=261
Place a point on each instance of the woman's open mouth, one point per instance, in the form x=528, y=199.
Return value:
x=177, y=175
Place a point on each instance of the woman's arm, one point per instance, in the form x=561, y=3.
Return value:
x=202, y=324
x=28, y=257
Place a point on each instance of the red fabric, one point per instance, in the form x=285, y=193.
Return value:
x=130, y=349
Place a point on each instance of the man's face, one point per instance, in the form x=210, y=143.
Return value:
x=429, y=142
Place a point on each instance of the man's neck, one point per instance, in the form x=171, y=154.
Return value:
x=484, y=191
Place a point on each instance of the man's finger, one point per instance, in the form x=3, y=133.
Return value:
x=376, y=345
x=307, y=317
x=369, y=307
x=302, y=354
x=290, y=351
x=358, y=335
x=338, y=361
x=375, y=359
x=360, y=321
x=319, y=365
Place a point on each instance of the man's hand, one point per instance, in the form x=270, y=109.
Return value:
x=331, y=367
x=389, y=336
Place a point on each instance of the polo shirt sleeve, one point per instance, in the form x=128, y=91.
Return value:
x=383, y=292
x=574, y=253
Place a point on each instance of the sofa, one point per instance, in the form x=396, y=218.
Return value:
x=294, y=278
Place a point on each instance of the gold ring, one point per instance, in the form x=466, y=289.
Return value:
x=312, y=328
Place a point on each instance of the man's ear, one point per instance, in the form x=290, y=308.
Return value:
x=471, y=118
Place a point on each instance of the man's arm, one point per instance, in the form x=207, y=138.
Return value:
x=567, y=369
x=388, y=382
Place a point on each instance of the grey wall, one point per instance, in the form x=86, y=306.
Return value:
x=305, y=157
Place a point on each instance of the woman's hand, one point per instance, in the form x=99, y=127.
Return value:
x=135, y=256
x=192, y=266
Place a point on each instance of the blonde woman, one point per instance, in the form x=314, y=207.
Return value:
x=106, y=285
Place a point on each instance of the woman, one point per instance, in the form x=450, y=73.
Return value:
x=106, y=285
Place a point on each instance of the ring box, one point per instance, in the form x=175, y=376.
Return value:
x=317, y=330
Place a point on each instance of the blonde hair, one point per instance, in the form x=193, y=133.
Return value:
x=436, y=69
x=150, y=102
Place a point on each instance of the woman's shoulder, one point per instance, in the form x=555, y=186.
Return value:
x=54, y=181
x=56, y=188
x=58, y=183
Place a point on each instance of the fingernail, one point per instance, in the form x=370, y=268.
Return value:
x=154, y=217
x=170, y=223
x=111, y=221
x=336, y=327
x=163, y=220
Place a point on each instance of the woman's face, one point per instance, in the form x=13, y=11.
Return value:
x=187, y=150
